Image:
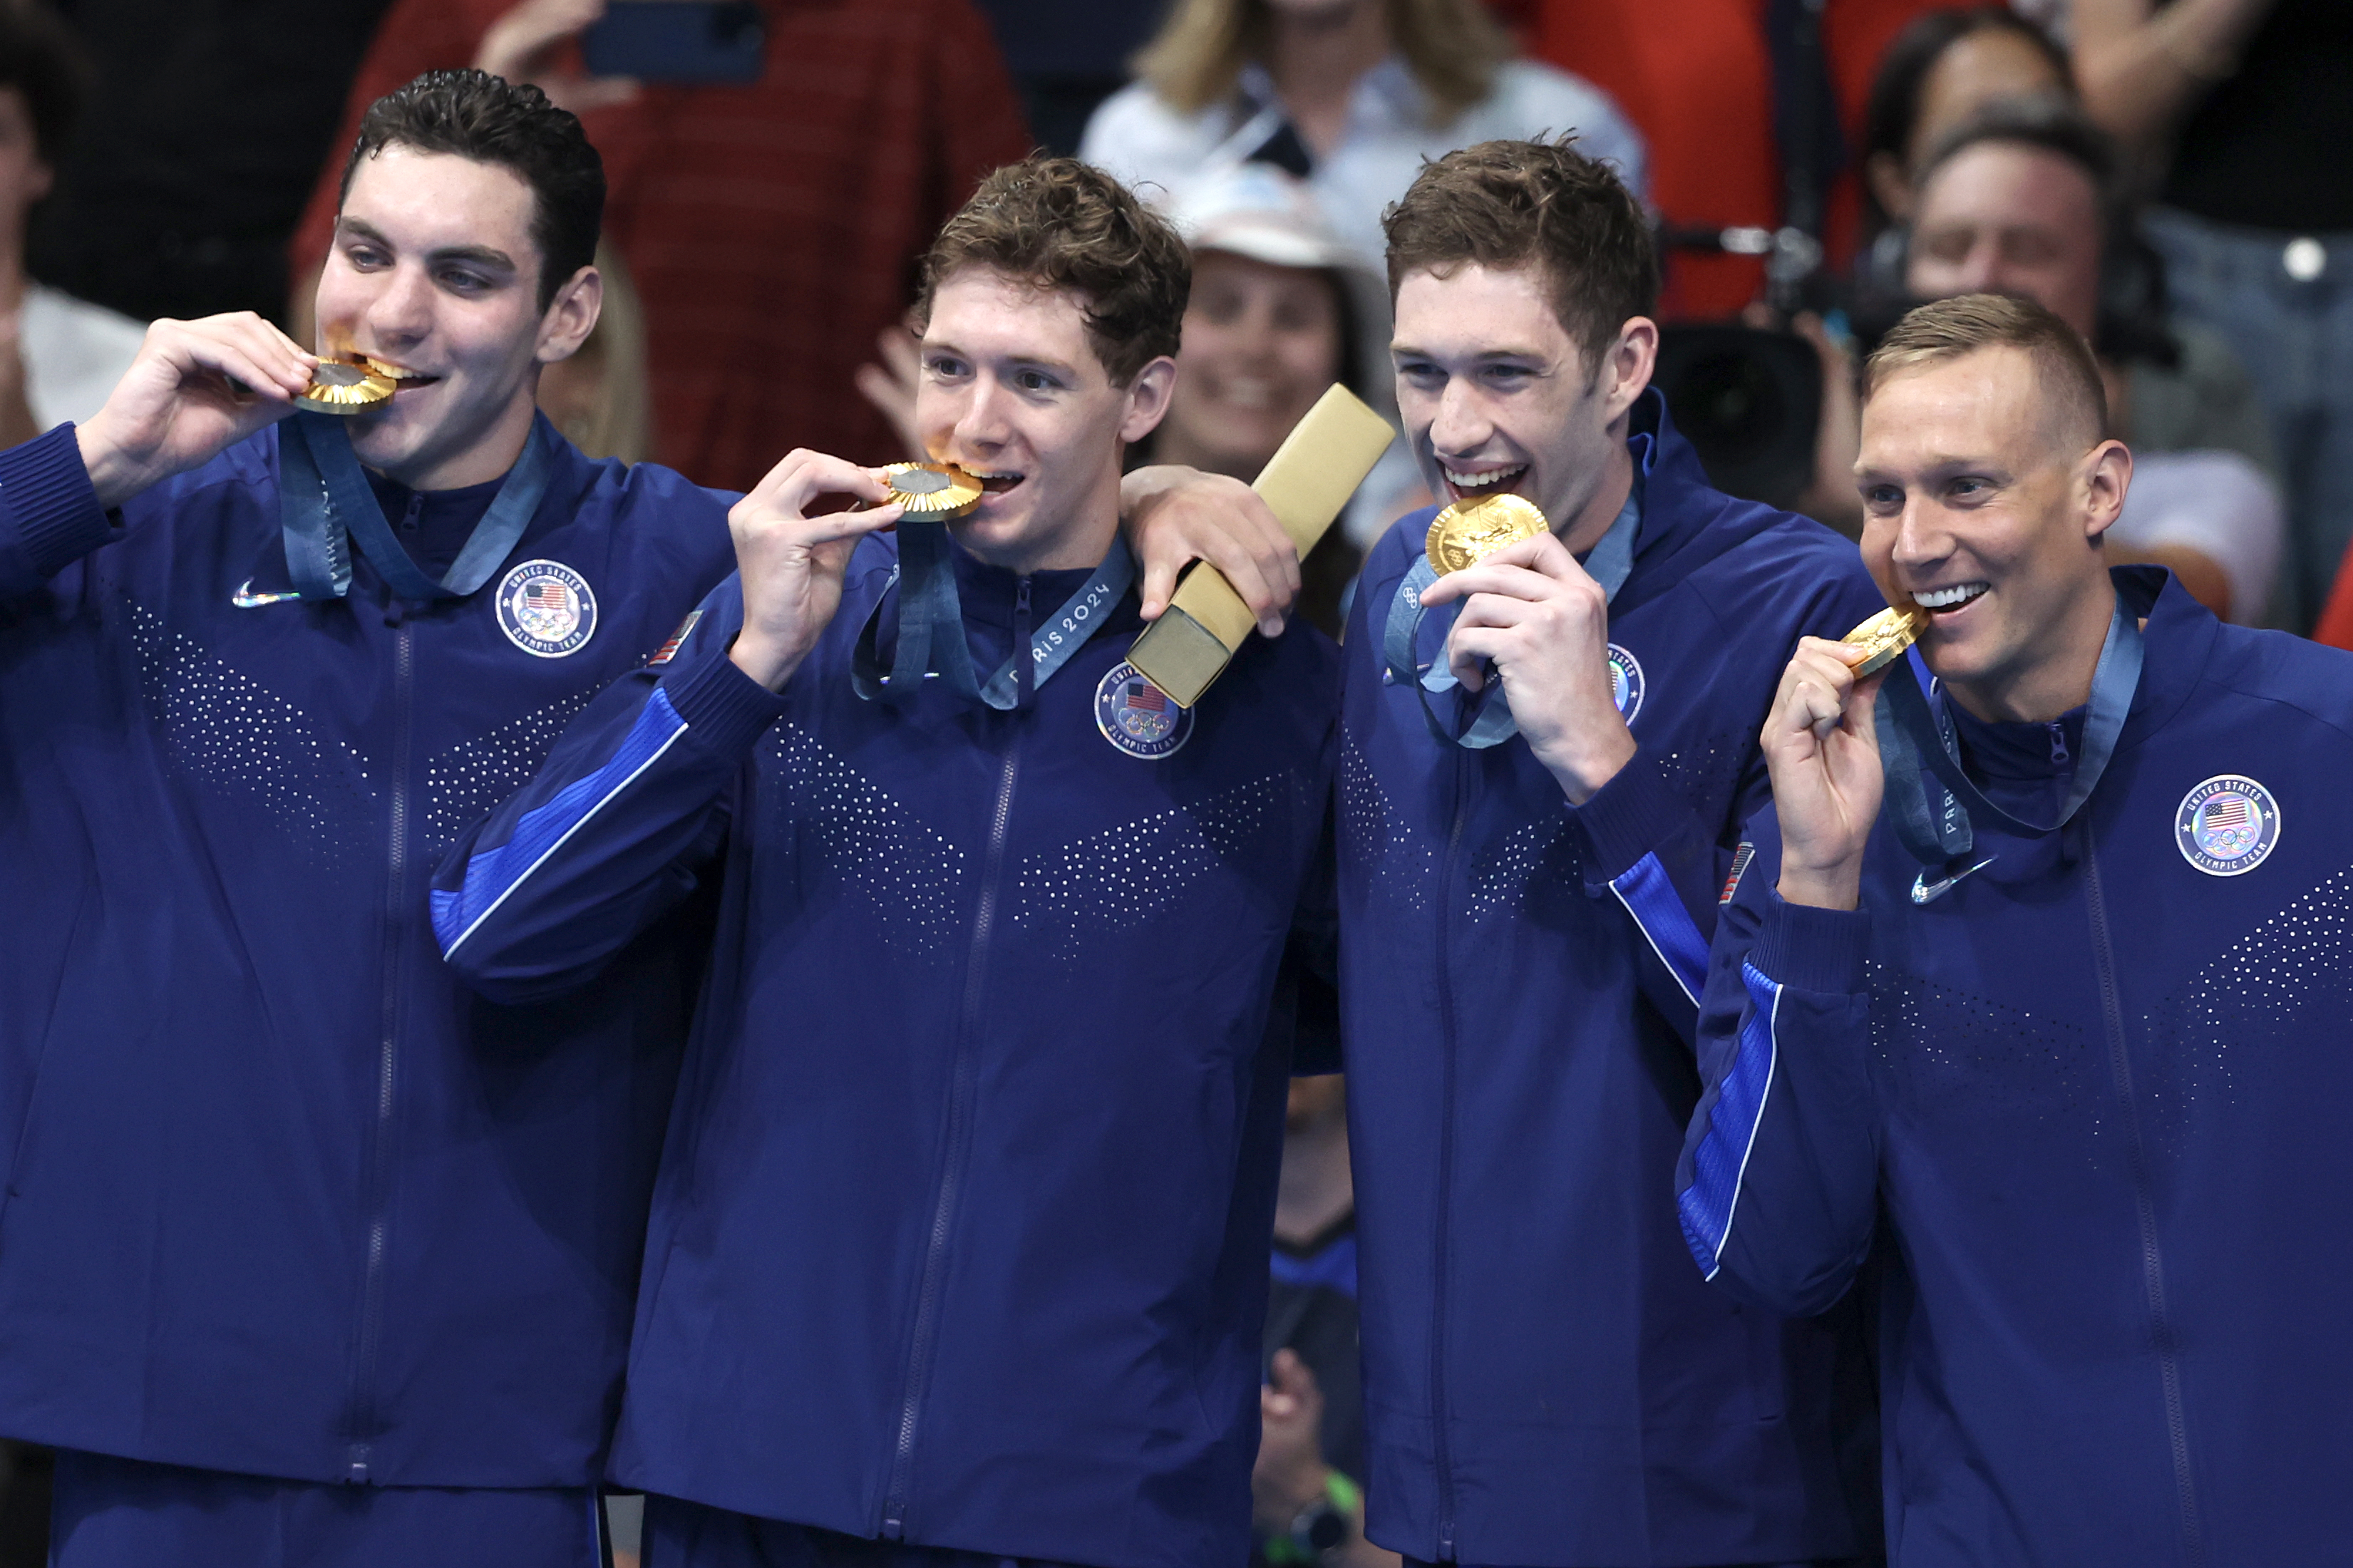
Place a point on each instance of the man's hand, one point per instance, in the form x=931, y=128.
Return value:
x=1175, y=515
x=1533, y=611
x=792, y=562
x=1289, y=1473
x=178, y=404
x=1822, y=751
x=521, y=44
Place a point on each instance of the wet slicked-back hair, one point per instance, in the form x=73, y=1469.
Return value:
x=1057, y=224
x=476, y=115
x=1507, y=205
x=2066, y=376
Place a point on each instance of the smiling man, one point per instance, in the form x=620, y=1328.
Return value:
x=2044, y=969
x=959, y=1248
x=284, y=1200
x=1547, y=759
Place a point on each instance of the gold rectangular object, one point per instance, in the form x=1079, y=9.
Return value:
x=1305, y=483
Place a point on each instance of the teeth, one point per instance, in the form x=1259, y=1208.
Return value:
x=1946, y=599
x=1483, y=481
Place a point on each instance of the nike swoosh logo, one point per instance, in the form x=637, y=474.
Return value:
x=245, y=599
x=1924, y=891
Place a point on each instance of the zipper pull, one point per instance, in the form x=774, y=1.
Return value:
x=415, y=508
x=2060, y=755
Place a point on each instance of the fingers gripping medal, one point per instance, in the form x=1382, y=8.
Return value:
x=1470, y=530
x=1883, y=638
x=338, y=387
x=932, y=492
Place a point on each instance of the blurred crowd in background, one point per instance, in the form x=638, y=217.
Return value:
x=2157, y=172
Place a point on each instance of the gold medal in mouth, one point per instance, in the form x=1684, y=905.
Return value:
x=937, y=491
x=1883, y=638
x=1470, y=530
x=339, y=389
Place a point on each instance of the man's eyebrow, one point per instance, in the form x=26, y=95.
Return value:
x=1484, y=356
x=1025, y=362
x=484, y=255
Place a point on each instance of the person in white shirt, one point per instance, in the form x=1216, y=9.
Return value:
x=60, y=356
x=1349, y=95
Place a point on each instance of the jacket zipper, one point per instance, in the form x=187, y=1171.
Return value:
x=376, y=1193
x=2161, y=1333
x=963, y=1086
x=1441, y=1447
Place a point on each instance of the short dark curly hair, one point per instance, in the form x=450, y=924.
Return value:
x=1057, y=224
x=476, y=115
x=1507, y=204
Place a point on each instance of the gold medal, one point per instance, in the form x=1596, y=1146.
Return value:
x=339, y=388
x=937, y=491
x=1470, y=530
x=1883, y=638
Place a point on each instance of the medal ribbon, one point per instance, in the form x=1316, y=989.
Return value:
x=931, y=627
x=326, y=503
x=1609, y=562
x=1932, y=797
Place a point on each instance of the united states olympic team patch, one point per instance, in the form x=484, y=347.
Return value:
x=546, y=609
x=1138, y=717
x=2227, y=825
x=1625, y=682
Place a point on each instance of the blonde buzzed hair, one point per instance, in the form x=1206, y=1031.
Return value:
x=2065, y=372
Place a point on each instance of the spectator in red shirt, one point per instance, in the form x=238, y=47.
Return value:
x=772, y=228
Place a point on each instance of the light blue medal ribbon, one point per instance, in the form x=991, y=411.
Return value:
x=1934, y=800
x=931, y=627
x=324, y=503
x=1609, y=562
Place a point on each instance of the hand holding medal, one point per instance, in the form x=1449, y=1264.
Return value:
x=791, y=561
x=1533, y=618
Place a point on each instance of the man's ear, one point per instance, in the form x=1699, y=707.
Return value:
x=2105, y=475
x=1147, y=399
x=571, y=316
x=1627, y=367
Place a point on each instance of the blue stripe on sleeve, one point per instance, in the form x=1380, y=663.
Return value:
x=1722, y=1157
x=1663, y=922
x=493, y=874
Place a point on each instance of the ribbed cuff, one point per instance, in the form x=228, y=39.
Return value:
x=1810, y=947
x=47, y=493
x=726, y=709
x=1633, y=813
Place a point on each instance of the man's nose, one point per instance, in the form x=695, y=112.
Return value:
x=982, y=424
x=1921, y=539
x=1461, y=424
x=1983, y=272
x=402, y=308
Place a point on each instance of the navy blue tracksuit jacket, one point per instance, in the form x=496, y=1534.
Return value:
x=1547, y=1380
x=2098, y=1092
x=961, y=1232
x=282, y=1197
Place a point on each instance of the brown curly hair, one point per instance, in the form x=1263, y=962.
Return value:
x=1503, y=204
x=1057, y=224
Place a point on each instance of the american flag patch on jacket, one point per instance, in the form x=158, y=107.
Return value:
x=669, y=650
x=1741, y=858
